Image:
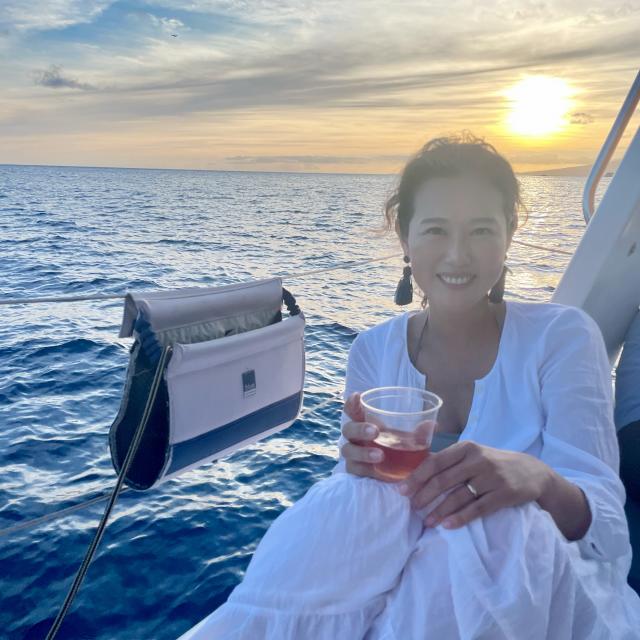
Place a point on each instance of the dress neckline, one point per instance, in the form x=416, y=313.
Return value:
x=506, y=326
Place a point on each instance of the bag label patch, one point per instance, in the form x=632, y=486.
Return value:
x=249, y=383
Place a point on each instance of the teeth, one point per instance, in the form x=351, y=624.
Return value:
x=456, y=280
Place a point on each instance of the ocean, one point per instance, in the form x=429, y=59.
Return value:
x=173, y=554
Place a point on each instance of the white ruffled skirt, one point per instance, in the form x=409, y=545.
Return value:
x=352, y=561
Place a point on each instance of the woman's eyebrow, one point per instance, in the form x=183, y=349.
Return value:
x=430, y=220
x=441, y=220
x=485, y=219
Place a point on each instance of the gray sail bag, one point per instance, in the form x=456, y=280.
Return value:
x=232, y=373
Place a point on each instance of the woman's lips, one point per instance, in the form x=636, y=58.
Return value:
x=456, y=281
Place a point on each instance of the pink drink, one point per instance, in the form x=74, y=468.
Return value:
x=406, y=419
x=403, y=452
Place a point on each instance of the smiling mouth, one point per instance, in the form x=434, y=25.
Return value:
x=458, y=280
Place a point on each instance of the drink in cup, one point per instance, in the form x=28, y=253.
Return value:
x=406, y=420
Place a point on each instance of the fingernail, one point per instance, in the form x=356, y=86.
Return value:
x=376, y=456
x=430, y=521
x=403, y=489
x=447, y=523
x=370, y=430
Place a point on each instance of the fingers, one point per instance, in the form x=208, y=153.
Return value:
x=360, y=432
x=353, y=408
x=436, y=463
x=454, y=502
x=442, y=482
x=362, y=469
x=356, y=453
x=359, y=455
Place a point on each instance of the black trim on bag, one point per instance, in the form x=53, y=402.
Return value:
x=208, y=444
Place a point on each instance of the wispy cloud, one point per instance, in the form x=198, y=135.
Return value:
x=42, y=15
x=581, y=117
x=275, y=159
x=169, y=25
x=55, y=79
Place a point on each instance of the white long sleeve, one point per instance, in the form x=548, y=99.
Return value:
x=549, y=394
x=578, y=434
x=360, y=376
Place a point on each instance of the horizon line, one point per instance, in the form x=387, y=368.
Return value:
x=331, y=173
x=80, y=166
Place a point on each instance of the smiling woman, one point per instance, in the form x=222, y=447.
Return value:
x=539, y=105
x=516, y=527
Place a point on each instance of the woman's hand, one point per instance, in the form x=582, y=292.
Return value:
x=500, y=478
x=358, y=453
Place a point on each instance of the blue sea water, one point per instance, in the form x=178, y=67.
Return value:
x=172, y=555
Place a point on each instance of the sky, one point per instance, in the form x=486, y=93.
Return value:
x=297, y=85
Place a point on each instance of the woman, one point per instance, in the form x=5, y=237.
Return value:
x=515, y=527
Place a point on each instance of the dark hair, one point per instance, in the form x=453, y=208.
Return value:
x=452, y=156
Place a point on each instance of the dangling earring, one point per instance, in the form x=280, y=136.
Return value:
x=404, y=290
x=497, y=292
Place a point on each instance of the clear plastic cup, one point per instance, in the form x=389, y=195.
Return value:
x=406, y=418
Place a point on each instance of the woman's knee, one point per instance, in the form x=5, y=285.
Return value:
x=342, y=532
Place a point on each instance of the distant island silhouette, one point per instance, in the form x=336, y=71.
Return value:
x=579, y=171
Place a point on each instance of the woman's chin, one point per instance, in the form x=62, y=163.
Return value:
x=458, y=301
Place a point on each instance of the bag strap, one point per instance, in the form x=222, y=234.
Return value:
x=290, y=302
x=133, y=448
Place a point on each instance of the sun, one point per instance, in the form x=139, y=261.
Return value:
x=539, y=106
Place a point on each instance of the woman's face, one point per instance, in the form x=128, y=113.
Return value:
x=458, y=239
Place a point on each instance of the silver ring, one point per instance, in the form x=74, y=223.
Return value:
x=472, y=489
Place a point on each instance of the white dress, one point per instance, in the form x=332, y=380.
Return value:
x=351, y=560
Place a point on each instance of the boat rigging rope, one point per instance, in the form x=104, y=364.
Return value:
x=285, y=276
x=133, y=448
x=61, y=513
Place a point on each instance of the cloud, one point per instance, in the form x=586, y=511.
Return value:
x=310, y=67
x=42, y=15
x=53, y=78
x=581, y=117
x=168, y=25
x=311, y=59
x=315, y=159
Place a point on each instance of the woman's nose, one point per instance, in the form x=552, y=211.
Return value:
x=458, y=250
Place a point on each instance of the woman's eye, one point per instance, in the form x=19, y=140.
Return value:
x=434, y=231
x=480, y=231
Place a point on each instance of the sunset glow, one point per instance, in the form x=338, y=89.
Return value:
x=299, y=85
x=539, y=106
